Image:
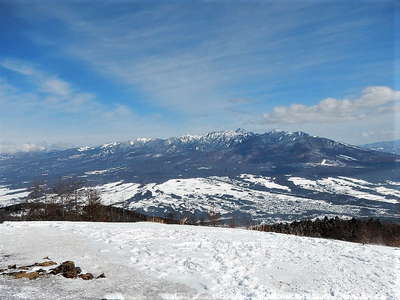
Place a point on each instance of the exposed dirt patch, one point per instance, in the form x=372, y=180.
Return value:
x=66, y=269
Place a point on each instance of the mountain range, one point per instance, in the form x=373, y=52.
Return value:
x=266, y=177
x=388, y=146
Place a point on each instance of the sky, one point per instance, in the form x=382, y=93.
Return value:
x=91, y=72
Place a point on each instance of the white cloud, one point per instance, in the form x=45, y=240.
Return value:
x=56, y=86
x=181, y=64
x=201, y=63
x=49, y=89
x=58, y=112
x=12, y=148
x=17, y=66
x=49, y=84
x=373, y=100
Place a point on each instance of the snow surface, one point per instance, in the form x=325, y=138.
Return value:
x=97, y=172
x=110, y=145
x=115, y=192
x=11, y=196
x=101, y=172
x=217, y=194
x=347, y=157
x=156, y=261
x=329, y=163
x=393, y=182
x=264, y=181
x=84, y=148
x=345, y=186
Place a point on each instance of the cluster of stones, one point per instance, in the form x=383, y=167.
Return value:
x=67, y=269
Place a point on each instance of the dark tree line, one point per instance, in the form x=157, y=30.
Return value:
x=69, y=200
x=371, y=231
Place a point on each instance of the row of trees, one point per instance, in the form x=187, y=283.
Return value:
x=371, y=231
x=69, y=200
x=67, y=197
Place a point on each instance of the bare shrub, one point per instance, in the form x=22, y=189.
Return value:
x=214, y=217
x=93, y=206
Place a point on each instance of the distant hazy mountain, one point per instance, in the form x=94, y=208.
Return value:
x=223, y=153
x=388, y=146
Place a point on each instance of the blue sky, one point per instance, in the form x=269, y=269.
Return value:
x=88, y=72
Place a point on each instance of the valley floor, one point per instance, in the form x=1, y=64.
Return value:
x=157, y=261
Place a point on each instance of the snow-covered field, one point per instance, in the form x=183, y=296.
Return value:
x=263, y=199
x=349, y=186
x=11, y=196
x=156, y=261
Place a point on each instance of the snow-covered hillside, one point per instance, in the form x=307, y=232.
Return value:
x=223, y=153
x=257, y=198
x=388, y=146
x=156, y=261
x=247, y=198
x=12, y=196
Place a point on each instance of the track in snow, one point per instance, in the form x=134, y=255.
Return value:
x=149, y=260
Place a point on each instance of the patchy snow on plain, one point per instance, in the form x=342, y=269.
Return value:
x=85, y=148
x=264, y=181
x=157, y=261
x=386, y=191
x=97, y=172
x=344, y=187
x=347, y=157
x=348, y=186
x=355, y=180
x=116, y=192
x=306, y=183
x=248, y=195
x=329, y=163
x=393, y=182
x=101, y=172
x=222, y=195
x=11, y=196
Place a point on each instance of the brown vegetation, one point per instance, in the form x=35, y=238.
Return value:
x=89, y=213
x=66, y=269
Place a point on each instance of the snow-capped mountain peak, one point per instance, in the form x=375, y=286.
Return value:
x=219, y=138
x=109, y=145
x=141, y=140
x=228, y=134
x=228, y=137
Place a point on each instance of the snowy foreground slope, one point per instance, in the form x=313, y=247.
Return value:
x=156, y=261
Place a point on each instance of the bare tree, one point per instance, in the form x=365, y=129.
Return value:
x=214, y=217
x=69, y=194
x=93, y=204
x=38, y=190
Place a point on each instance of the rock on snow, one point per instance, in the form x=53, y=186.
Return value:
x=156, y=261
